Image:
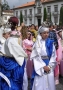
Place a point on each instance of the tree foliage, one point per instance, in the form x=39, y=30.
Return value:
x=45, y=15
x=61, y=16
x=5, y=6
x=21, y=17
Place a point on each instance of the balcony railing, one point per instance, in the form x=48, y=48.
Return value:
x=55, y=13
x=38, y=14
x=24, y=16
x=29, y=15
x=48, y=13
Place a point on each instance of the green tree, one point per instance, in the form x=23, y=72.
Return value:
x=61, y=16
x=5, y=6
x=21, y=17
x=45, y=15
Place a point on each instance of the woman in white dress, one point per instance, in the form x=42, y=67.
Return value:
x=44, y=60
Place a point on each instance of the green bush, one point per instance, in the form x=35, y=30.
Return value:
x=21, y=17
x=61, y=16
x=45, y=15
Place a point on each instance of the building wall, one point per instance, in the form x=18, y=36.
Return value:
x=24, y=16
x=34, y=11
x=6, y=16
x=52, y=9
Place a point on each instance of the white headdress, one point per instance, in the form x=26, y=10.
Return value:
x=2, y=31
x=42, y=29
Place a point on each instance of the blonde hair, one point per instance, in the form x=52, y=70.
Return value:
x=24, y=32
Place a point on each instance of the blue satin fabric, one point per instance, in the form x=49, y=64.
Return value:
x=46, y=61
x=49, y=49
x=13, y=71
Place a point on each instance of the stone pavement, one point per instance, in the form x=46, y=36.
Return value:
x=60, y=86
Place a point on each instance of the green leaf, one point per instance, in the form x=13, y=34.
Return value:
x=21, y=17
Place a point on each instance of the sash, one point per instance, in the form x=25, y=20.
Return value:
x=49, y=49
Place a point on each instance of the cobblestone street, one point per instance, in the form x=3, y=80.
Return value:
x=60, y=86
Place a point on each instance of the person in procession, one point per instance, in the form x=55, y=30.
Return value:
x=4, y=34
x=58, y=58
x=27, y=45
x=44, y=61
x=60, y=33
x=13, y=60
x=53, y=36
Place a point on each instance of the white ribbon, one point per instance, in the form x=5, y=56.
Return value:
x=5, y=78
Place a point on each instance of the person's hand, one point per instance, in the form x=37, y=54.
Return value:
x=29, y=49
x=22, y=24
x=46, y=68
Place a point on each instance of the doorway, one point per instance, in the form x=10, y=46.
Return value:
x=39, y=21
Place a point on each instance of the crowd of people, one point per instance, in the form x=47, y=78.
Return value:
x=30, y=53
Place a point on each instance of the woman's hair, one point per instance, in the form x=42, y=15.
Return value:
x=24, y=32
x=33, y=34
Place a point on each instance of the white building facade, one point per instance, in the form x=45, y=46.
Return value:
x=33, y=11
x=6, y=14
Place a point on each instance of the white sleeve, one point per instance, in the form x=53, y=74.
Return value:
x=17, y=52
x=38, y=66
x=37, y=60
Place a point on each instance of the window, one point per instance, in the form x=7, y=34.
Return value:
x=30, y=21
x=62, y=5
x=30, y=11
x=21, y=11
x=55, y=19
x=38, y=3
x=39, y=10
x=25, y=21
x=25, y=12
x=5, y=18
x=55, y=8
x=48, y=9
x=16, y=13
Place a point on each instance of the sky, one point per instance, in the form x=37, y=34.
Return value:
x=16, y=2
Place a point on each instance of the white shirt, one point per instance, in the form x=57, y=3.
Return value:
x=13, y=49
